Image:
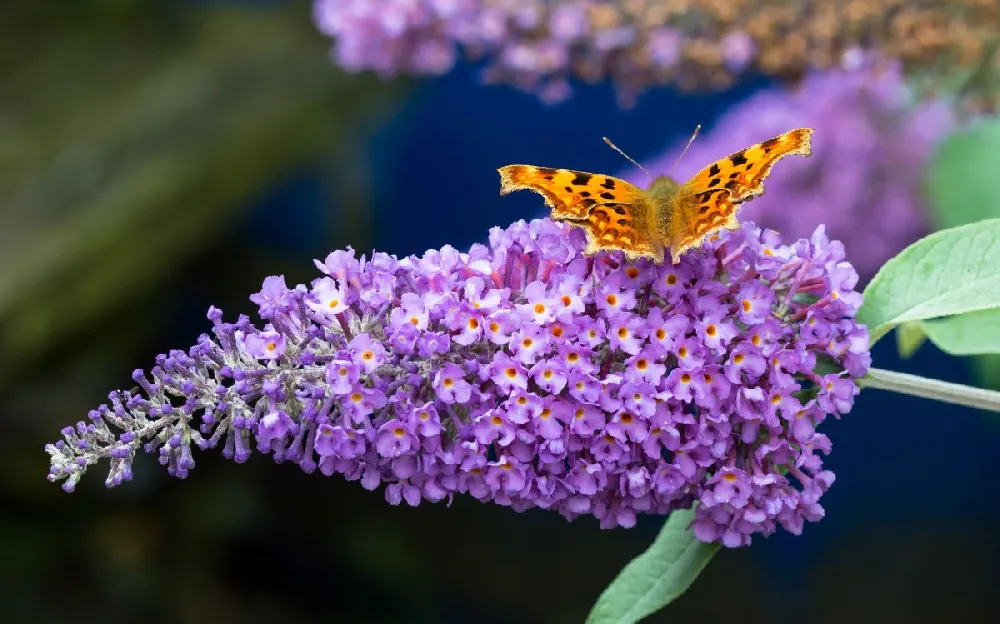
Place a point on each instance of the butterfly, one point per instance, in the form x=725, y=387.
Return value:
x=617, y=215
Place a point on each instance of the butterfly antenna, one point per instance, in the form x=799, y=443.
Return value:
x=627, y=157
x=690, y=141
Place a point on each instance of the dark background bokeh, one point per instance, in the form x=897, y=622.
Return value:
x=160, y=157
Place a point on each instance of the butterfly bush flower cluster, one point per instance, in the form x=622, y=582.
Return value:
x=539, y=45
x=525, y=374
x=871, y=149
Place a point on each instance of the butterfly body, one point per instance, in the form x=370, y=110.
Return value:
x=617, y=215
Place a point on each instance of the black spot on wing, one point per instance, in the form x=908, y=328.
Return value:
x=714, y=182
x=768, y=144
x=568, y=189
x=581, y=179
x=619, y=210
x=584, y=193
x=608, y=195
x=588, y=202
x=608, y=184
x=738, y=159
x=715, y=169
x=706, y=196
x=547, y=171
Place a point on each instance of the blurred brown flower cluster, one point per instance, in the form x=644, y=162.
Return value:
x=954, y=41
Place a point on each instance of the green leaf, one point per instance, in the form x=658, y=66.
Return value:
x=961, y=182
x=953, y=271
x=909, y=338
x=656, y=577
x=975, y=333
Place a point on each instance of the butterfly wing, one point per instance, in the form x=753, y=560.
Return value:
x=709, y=201
x=614, y=213
x=570, y=194
x=620, y=227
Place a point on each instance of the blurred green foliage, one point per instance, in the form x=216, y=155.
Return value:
x=962, y=177
x=129, y=137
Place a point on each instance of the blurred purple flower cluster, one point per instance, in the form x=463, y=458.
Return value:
x=872, y=144
x=537, y=45
x=534, y=45
x=526, y=374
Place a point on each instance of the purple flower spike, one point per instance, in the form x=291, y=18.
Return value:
x=526, y=374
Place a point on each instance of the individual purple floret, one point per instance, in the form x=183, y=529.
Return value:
x=526, y=374
x=872, y=145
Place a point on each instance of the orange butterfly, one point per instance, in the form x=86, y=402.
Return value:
x=617, y=215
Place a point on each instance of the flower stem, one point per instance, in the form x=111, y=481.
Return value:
x=923, y=387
